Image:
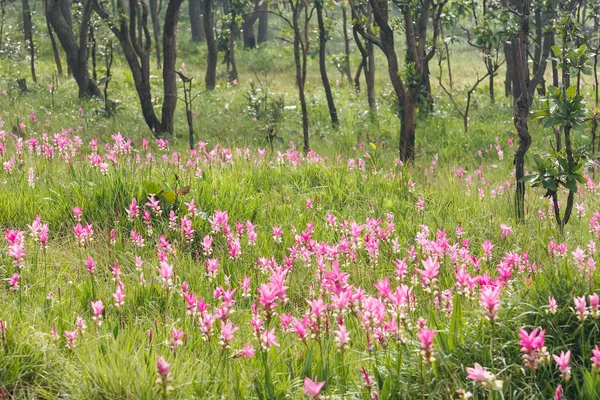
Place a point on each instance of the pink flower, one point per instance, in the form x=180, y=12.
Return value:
x=532, y=345
x=563, y=364
x=552, y=307
x=176, y=335
x=162, y=367
x=246, y=352
x=483, y=376
x=490, y=300
x=313, y=388
x=119, y=295
x=90, y=265
x=594, y=303
x=268, y=339
x=580, y=308
x=426, y=337
x=342, y=337
x=506, y=230
x=71, y=337
x=595, y=359
x=227, y=331
x=97, y=308
x=558, y=392
x=13, y=282
x=431, y=269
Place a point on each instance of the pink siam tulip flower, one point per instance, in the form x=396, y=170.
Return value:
x=77, y=212
x=489, y=299
x=134, y=210
x=13, y=282
x=487, y=249
x=162, y=367
x=313, y=388
x=176, y=336
x=97, y=308
x=119, y=295
x=3, y=331
x=483, y=376
x=80, y=324
x=563, y=364
x=533, y=347
x=277, y=233
x=595, y=359
x=580, y=308
x=227, y=332
x=71, y=338
x=594, y=303
x=90, y=265
x=268, y=339
x=552, y=306
x=166, y=273
x=342, y=337
x=506, y=230
x=207, y=245
x=246, y=352
x=430, y=271
x=426, y=337
x=558, y=393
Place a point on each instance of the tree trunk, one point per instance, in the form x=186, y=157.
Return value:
x=508, y=77
x=169, y=61
x=196, y=22
x=347, y=69
x=263, y=23
x=77, y=57
x=28, y=36
x=52, y=41
x=155, y=30
x=370, y=77
x=211, y=58
x=521, y=105
x=248, y=28
x=408, y=126
x=2, y=15
x=323, y=64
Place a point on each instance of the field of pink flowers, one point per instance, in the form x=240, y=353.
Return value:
x=130, y=270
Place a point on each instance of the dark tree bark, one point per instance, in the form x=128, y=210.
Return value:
x=77, y=57
x=347, y=69
x=155, y=30
x=263, y=22
x=52, y=41
x=521, y=104
x=509, y=75
x=230, y=24
x=248, y=26
x=2, y=15
x=28, y=36
x=210, y=78
x=415, y=36
x=323, y=63
x=136, y=42
x=367, y=63
x=196, y=21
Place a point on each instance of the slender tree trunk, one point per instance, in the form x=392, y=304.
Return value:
x=263, y=23
x=196, y=23
x=52, y=41
x=211, y=58
x=2, y=15
x=28, y=36
x=521, y=105
x=370, y=77
x=93, y=53
x=248, y=27
x=323, y=64
x=347, y=69
x=408, y=126
x=155, y=30
x=510, y=65
x=170, y=59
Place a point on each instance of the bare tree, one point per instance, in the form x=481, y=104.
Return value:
x=323, y=63
x=52, y=40
x=59, y=15
x=132, y=31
